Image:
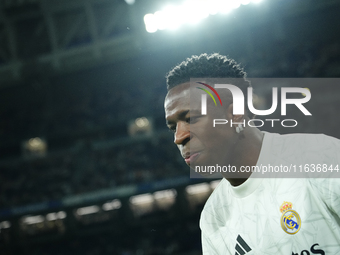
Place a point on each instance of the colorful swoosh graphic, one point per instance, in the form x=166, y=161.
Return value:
x=208, y=86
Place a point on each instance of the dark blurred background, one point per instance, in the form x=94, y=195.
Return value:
x=87, y=165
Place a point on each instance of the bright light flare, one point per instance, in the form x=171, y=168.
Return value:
x=142, y=199
x=197, y=188
x=214, y=184
x=213, y=6
x=56, y=216
x=87, y=210
x=225, y=7
x=173, y=17
x=160, y=20
x=165, y=194
x=245, y=2
x=5, y=224
x=33, y=219
x=150, y=23
x=196, y=11
x=236, y=4
x=112, y=205
x=190, y=12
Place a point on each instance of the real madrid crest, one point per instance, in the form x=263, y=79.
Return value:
x=290, y=219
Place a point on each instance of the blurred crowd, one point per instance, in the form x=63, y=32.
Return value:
x=55, y=108
x=87, y=169
x=176, y=236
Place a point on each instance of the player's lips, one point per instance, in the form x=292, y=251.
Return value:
x=191, y=157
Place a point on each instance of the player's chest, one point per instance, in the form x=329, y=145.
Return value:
x=292, y=223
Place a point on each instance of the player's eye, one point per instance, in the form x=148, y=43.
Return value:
x=192, y=119
x=172, y=129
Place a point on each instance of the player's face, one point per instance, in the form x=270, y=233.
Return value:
x=199, y=142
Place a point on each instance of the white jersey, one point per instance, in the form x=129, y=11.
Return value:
x=277, y=215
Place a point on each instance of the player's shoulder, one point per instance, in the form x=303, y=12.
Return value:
x=307, y=139
x=218, y=192
x=303, y=144
x=217, y=201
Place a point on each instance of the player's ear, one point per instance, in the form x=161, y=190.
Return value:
x=238, y=118
x=230, y=112
x=230, y=115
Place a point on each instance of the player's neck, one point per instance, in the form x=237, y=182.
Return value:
x=246, y=153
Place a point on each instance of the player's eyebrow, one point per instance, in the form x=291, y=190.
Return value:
x=181, y=115
x=196, y=112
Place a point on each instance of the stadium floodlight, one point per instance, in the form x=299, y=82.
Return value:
x=87, y=210
x=165, y=194
x=165, y=199
x=142, y=199
x=213, y=6
x=5, y=224
x=161, y=20
x=195, y=11
x=51, y=216
x=236, y=4
x=197, y=193
x=225, y=8
x=34, y=147
x=56, y=216
x=150, y=23
x=61, y=215
x=33, y=219
x=171, y=18
x=142, y=122
x=214, y=184
x=197, y=188
x=191, y=11
x=130, y=2
x=245, y=2
x=112, y=205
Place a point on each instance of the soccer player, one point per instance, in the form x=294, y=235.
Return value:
x=244, y=214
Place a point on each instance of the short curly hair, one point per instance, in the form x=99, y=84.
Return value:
x=206, y=66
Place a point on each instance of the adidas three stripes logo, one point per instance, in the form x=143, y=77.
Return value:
x=241, y=246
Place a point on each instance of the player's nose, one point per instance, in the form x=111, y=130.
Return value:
x=182, y=134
